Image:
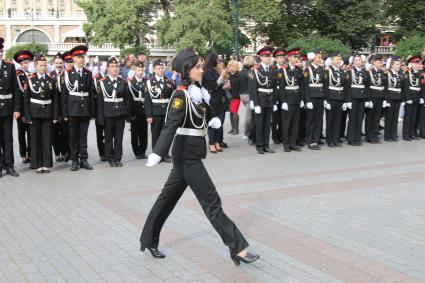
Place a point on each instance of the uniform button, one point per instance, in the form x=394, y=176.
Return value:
x=82, y=105
x=2, y=104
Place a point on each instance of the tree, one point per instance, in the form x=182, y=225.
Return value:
x=410, y=46
x=351, y=21
x=407, y=15
x=121, y=22
x=35, y=48
x=316, y=41
x=206, y=25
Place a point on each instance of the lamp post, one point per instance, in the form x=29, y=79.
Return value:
x=236, y=28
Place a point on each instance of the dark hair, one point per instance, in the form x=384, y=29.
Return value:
x=188, y=64
x=210, y=61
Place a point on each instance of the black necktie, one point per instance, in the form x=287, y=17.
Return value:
x=161, y=83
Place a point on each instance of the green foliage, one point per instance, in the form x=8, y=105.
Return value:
x=121, y=22
x=316, y=41
x=134, y=50
x=406, y=15
x=410, y=46
x=35, y=48
x=206, y=25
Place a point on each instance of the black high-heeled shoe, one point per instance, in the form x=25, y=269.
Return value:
x=248, y=258
x=154, y=252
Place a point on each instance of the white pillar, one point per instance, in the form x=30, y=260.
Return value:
x=57, y=38
x=8, y=36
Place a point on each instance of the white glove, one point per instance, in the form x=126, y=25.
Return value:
x=285, y=106
x=214, y=123
x=251, y=105
x=370, y=104
x=388, y=104
x=326, y=105
x=403, y=103
x=349, y=105
x=309, y=105
x=384, y=104
x=257, y=110
x=344, y=107
x=153, y=159
x=409, y=102
x=367, y=104
x=274, y=108
x=302, y=104
x=421, y=101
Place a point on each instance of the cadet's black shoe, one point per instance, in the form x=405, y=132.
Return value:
x=415, y=138
x=338, y=144
x=141, y=156
x=269, y=150
x=248, y=258
x=84, y=164
x=74, y=166
x=223, y=144
x=407, y=139
x=295, y=148
x=251, y=142
x=286, y=149
x=395, y=140
x=276, y=141
x=331, y=145
x=118, y=163
x=260, y=151
x=11, y=171
x=66, y=157
x=59, y=158
x=103, y=158
x=166, y=159
x=154, y=252
x=112, y=163
x=314, y=146
x=1, y=172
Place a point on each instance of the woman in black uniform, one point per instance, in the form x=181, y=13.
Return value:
x=187, y=120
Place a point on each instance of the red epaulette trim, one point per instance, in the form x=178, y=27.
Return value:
x=181, y=87
x=102, y=79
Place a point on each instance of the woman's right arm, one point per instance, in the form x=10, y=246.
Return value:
x=175, y=117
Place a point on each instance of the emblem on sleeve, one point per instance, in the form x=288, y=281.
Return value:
x=177, y=103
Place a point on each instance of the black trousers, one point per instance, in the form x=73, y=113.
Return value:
x=60, y=138
x=156, y=127
x=409, y=121
x=191, y=173
x=314, y=121
x=24, y=139
x=6, y=142
x=262, y=126
x=290, y=125
x=252, y=127
x=276, y=125
x=100, y=139
x=41, y=143
x=373, y=116
x=114, y=131
x=78, y=128
x=422, y=120
x=355, y=120
x=139, y=134
x=301, y=139
x=343, y=127
x=391, y=120
x=333, y=121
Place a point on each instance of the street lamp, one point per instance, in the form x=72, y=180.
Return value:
x=236, y=27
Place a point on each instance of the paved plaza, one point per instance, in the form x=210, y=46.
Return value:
x=351, y=214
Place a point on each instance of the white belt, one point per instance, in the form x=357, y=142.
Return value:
x=165, y=100
x=141, y=99
x=80, y=94
x=41, y=102
x=394, y=89
x=337, y=88
x=292, y=87
x=414, y=88
x=6, y=96
x=315, y=85
x=268, y=90
x=358, y=86
x=377, y=87
x=190, y=132
x=120, y=99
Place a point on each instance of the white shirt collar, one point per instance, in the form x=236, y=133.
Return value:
x=314, y=65
x=78, y=69
x=264, y=66
x=112, y=79
x=159, y=78
x=41, y=76
x=358, y=69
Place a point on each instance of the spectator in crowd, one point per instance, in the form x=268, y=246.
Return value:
x=234, y=79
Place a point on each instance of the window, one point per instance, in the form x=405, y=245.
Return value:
x=33, y=36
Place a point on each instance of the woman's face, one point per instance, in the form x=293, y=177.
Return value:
x=195, y=74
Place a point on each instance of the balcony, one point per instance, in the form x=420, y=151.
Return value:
x=41, y=16
x=383, y=50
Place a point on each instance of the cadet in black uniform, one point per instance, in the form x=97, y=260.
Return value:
x=187, y=122
x=40, y=104
x=59, y=138
x=411, y=97
x=393, y=97
x=139, y=126
x=291, y=100
x=9, y=110
x=100, y=129
x=335, y=102
x=158, y=92
x=23, y=57
x=112, y=103
x=357, y=98
x=314, y=76
x=422, y=103
x=78, y=106
x=376, y=86
x=262, y=91
x=279, y=55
